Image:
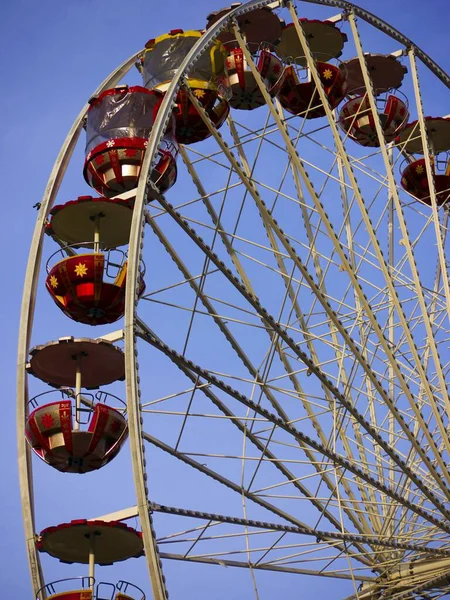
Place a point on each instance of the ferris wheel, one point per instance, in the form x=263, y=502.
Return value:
x=252, y=316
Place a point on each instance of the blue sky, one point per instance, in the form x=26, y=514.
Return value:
x=53, y=55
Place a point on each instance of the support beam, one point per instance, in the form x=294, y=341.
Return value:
x=262, y=567
x=254, y=373
x=147, y=335
x=311, y=366
x=322, y=535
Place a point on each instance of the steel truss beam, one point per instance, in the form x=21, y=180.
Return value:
x=362, y=525
x=318, y=534
x=303, y=357
x=146, y=334
x=261, y=567
x=357, y=519
x=235, y=345
x=347, y=266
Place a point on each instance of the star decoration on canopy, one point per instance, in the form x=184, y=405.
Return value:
x=53, y=281
x=198, y=93
x=419, y=169
x=80, y=270
x=328, y=74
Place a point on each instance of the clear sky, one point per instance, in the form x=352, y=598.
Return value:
x=53, y=55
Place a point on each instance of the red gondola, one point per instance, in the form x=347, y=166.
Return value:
x=414, y=177
x=302, y=97
x=81, y=286
x=119, y=122
x=298, y=94
x=101, y=590
x=190, y=127
x=246, y=94
x=161, y=60
x=52, y=435
x=415, y=181
x=357, y=119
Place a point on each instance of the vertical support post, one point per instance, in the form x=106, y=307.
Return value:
x=92, y=561
x=77, y=393
x=97, y=233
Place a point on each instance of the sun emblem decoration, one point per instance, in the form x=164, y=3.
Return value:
x=53, y=281
x=199, y=93
x=64, y=415
x=328, y=74
x=80, y=270
x=47, y=420
x=419, y=169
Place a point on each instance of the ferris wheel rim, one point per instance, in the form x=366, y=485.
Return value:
x=26, y=321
